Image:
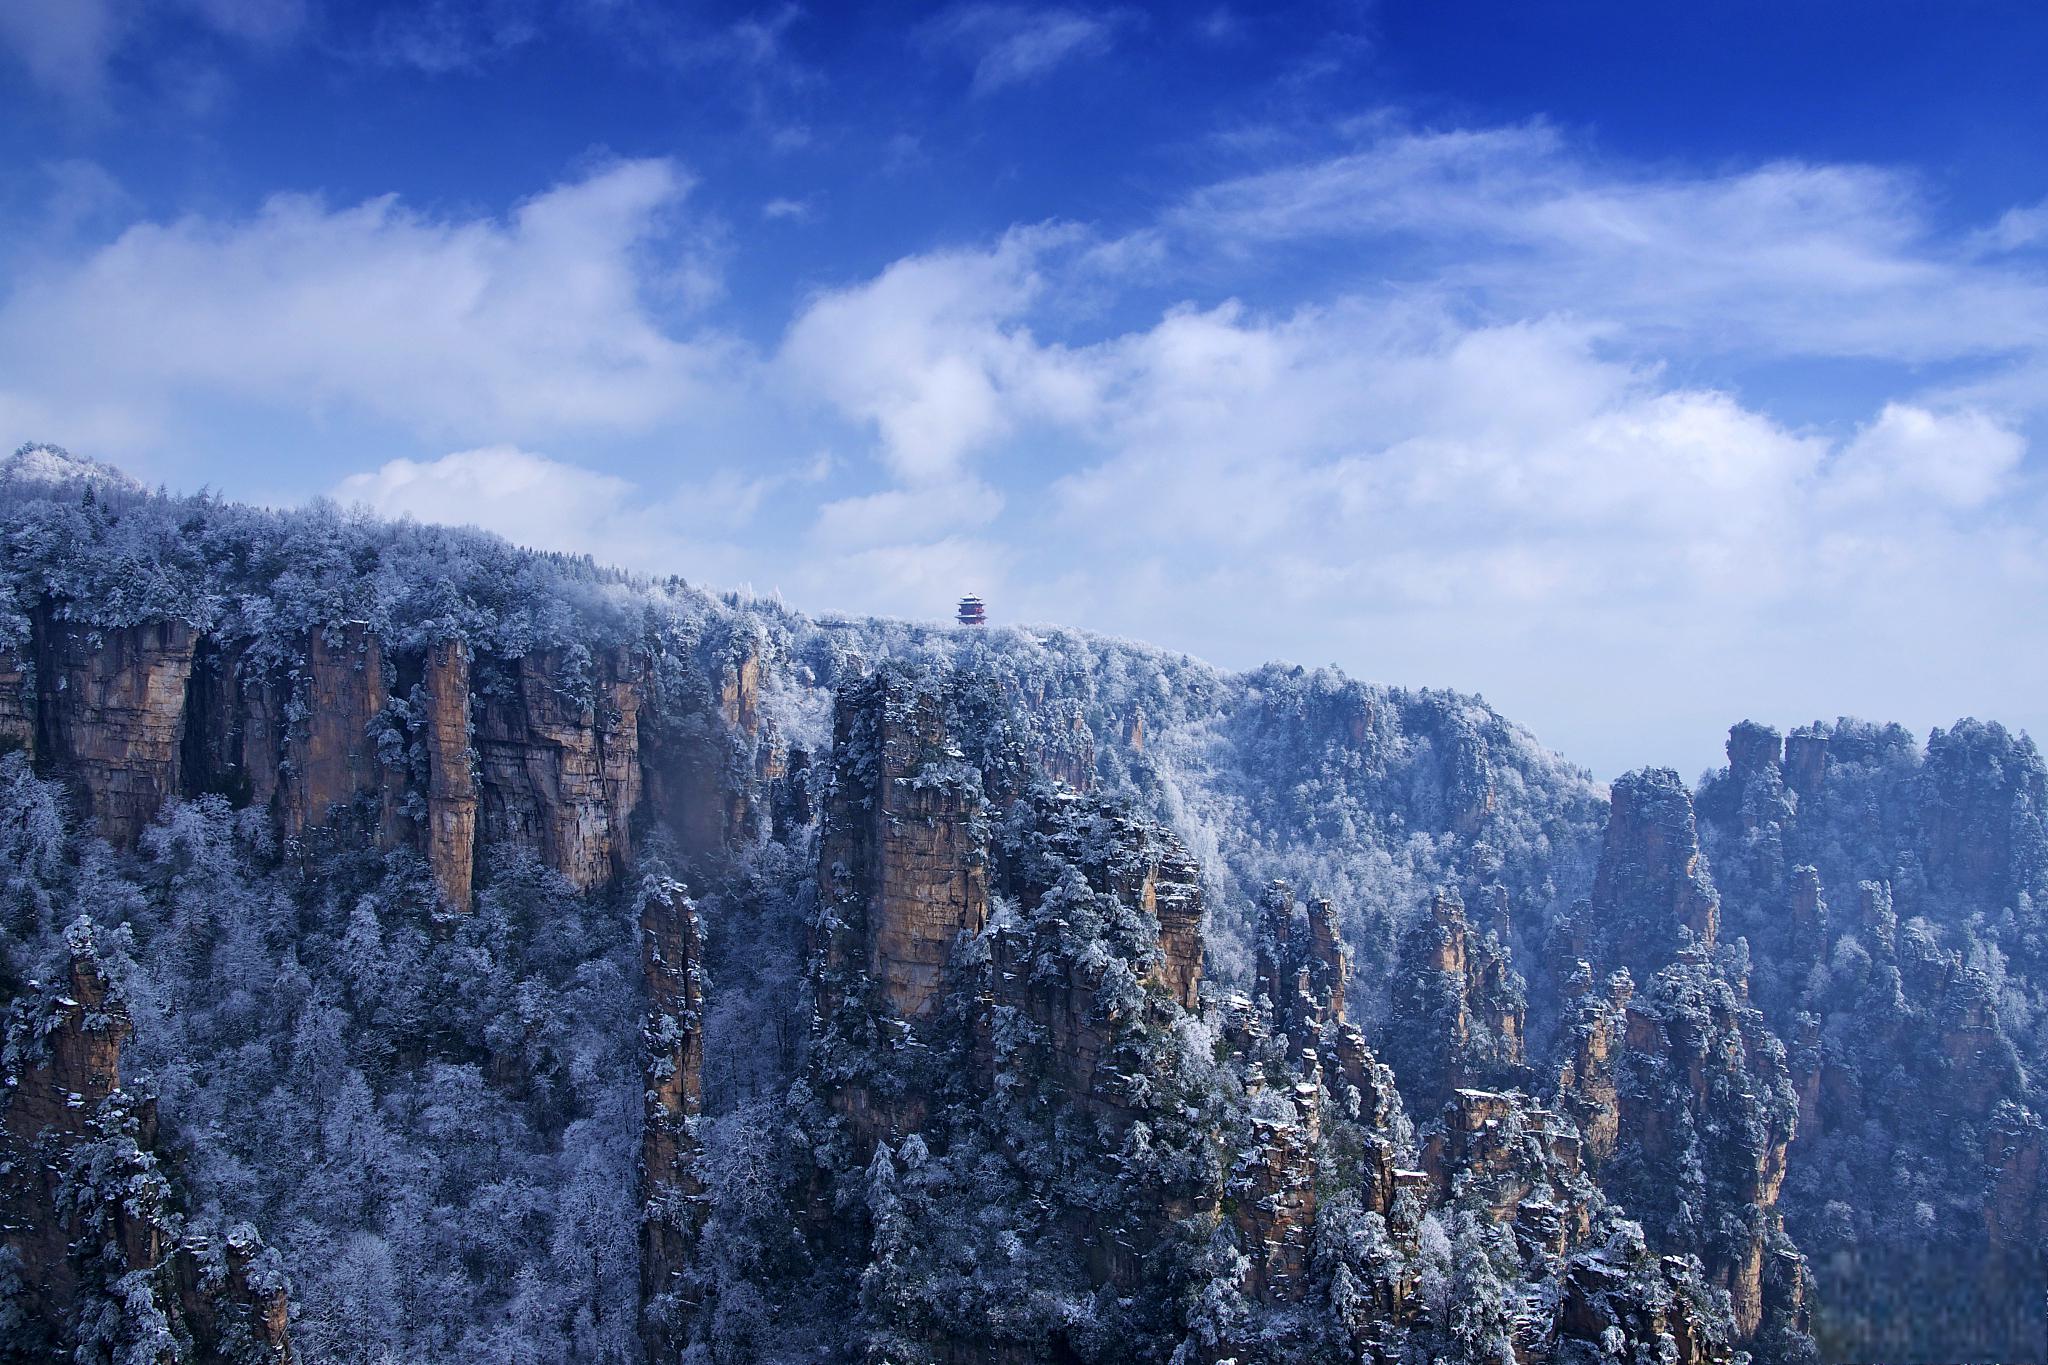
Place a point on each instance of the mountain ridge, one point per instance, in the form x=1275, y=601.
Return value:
x=417, y=787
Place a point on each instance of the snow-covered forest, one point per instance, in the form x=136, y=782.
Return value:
x=435, y=1120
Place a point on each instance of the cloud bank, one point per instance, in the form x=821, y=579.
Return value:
x=562, y=315
x=1469, y=407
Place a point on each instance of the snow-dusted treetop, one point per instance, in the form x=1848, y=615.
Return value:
x=38, y=462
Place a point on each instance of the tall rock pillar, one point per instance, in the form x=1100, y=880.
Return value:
x=451, y=784
x=671, y=954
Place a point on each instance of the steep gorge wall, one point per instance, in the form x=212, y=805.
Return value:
x=447, y=750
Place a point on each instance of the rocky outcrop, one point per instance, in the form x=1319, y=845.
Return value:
x=2015, y=1211
x=1707, y=1112
x=1690, y=1112
x=1984, y=794
x=1170, y=892
x=103, y=1265
x=236, y=718
x=1040, y=974
x=672, y=954
x=1049, y=1060
x=1516, y=1162
x=1806, y=761
x=17, y=704
x=1586, y=1082
x=1871, y=879
x=1594, y=1288
x=110, y=714
x=1273, y=1191
x=1303, y=968
x=1652, y=895
x=739, y=690
x=1458, y=1008
x=1621, y=1302
x=710, y=751
x=447, y=750
x=1065, y=752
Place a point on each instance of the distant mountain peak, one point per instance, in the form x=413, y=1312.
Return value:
x=52, y=466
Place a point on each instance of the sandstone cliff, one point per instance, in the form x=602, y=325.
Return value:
x=1686, y=1097
x=110, y=709
x=449, y=749
x=1866, y=874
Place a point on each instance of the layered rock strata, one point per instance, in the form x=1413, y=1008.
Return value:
x=110, y=707
x=447, y=750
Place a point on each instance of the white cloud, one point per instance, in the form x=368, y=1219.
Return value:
x=1960, y=460
x=2016, y=230
x=932, y=354
x=551, y=504
x=905, y=516
x=470, y=327
x=66, y=45
x=1785, y=258
x=1513, y=505
x=263, y=23
x=1016, y=44
x=525, y=497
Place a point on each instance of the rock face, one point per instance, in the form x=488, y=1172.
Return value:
x=451, y=781
x=558, y=763
x=236, y=718
x=445, y=750
x=1497, y=1159
x=1303, y=971
x=1985, y=792
x=903, y=866
x=1015, y=1070
x=1302, y=966
x=333, y=754
x=17, y=704
x=1586, y=1083
x=672, y=954
x=1169, y=890
x=705, y=764
x=1684, y=1094
x=106, y=1268
x=2015, y=1211
x=1708, y=1110
x=1628, y=1305
x=110, y=712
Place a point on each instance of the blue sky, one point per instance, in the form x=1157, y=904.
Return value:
x=1641, y=367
